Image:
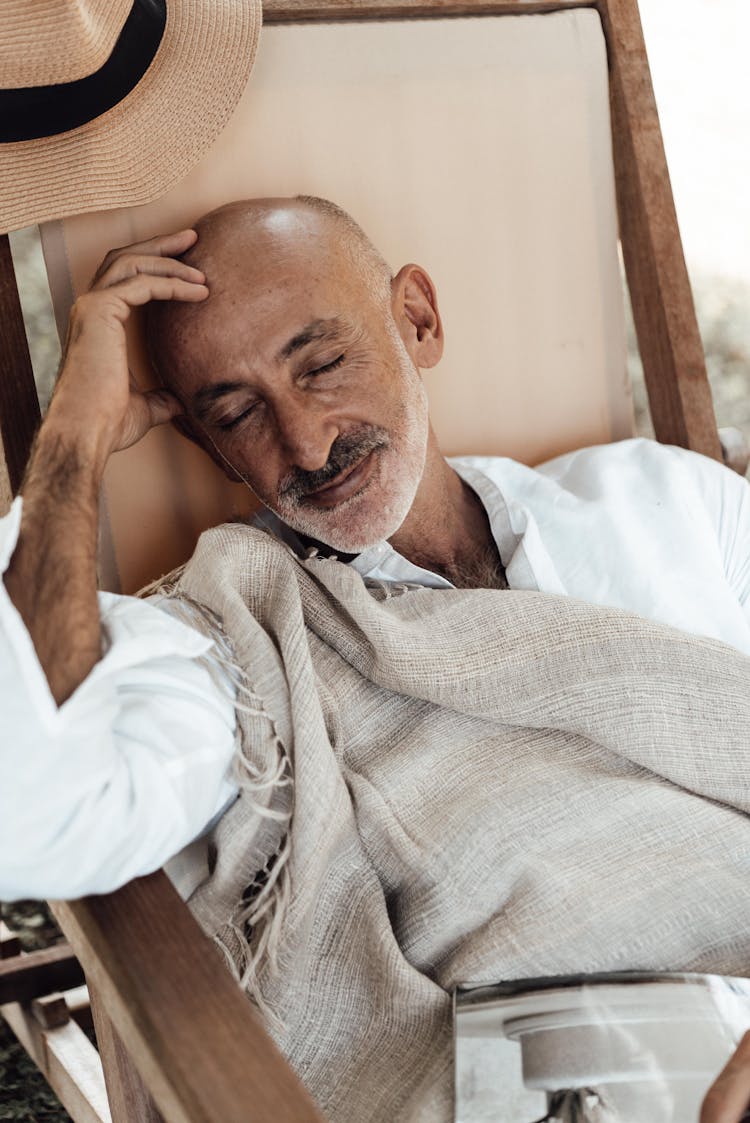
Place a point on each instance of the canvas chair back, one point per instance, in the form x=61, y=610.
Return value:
x=479, y=148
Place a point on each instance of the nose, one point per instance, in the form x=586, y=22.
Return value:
x=305, y=433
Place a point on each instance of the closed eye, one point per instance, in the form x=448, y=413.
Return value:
x=232, y=422
x=236, y=420
x=328, y=366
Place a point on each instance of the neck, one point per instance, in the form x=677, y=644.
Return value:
x=447, y=530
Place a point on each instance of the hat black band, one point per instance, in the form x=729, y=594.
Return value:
x=42, y=111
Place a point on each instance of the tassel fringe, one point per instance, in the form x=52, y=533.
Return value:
x=256, y=924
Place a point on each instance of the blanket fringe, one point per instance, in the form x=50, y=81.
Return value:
x=256, y=924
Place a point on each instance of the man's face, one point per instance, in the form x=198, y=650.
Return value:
x=297, y=375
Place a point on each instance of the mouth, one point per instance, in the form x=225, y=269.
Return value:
x=343, y=486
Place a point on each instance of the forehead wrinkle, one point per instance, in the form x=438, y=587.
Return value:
x=314, y=331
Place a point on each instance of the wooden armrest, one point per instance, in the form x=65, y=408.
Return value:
x=192, y=1033
x=735, y=450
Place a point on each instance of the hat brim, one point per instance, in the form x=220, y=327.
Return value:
x=137, y=150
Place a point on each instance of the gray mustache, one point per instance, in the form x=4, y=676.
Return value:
x=346, y=451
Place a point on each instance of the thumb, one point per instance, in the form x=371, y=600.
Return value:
x=162, y=406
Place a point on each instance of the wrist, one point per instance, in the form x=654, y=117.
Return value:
x=65, y=469
x=75, y=440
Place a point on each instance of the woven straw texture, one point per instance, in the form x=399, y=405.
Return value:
x=46, y=42
x=486, y=785
x=135, y=151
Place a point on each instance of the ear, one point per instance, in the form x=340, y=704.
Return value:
x=183, y=425
x=415, y=310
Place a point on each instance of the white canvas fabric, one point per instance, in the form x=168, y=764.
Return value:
x=481, y=784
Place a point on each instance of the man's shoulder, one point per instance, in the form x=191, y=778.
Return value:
x=584, y=471
x=634, y=472
x=622, y=463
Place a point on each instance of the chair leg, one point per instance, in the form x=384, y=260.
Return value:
x=66, y=1058
x=47, y=1024
x=129, y=1100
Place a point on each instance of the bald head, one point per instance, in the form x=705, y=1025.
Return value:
x=279, y=238
x=297, y=226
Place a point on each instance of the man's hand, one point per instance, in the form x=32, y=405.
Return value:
x=728, y=1098
x=96, y=402
x=96, y=409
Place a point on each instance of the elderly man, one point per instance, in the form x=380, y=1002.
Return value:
x=428, y=843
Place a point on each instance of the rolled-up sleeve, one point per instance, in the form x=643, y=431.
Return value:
x=130, y=769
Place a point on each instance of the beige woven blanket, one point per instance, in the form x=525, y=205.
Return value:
x=483, y=785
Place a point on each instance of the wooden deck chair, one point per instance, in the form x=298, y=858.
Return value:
x=470, y=135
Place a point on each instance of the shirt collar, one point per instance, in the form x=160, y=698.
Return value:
x=522, y=552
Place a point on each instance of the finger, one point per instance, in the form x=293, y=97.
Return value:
x=162, y=406
x=162, y=245
x=144, y=287
x=729, y=1096
x=129, y=264
x=141, y=289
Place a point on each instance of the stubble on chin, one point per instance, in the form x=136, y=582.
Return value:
x=380, y=507
x=350, y=527
x=374, y=513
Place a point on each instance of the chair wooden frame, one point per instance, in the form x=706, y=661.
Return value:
x=178, y=1039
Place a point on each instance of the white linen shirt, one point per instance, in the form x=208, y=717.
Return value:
x=135, y=764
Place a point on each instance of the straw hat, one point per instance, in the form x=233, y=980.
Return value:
x=107, y=103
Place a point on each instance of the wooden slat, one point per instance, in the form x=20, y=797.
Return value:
x=298, y=11
x=79, y=1003
x=192, y=1033
x=663, y=309
x=68, y=1060
x=51, y=1010
x=129, y=1099
x=19, y=404
x=59, y=1007
x=27, y=976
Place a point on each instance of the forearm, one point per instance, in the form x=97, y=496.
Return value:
x=52, y=575
x=95, y=411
